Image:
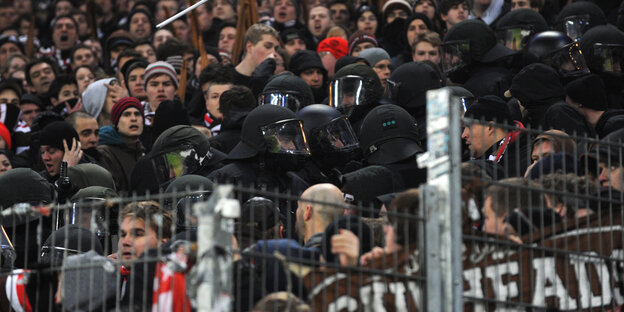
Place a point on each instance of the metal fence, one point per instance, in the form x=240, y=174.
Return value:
x=470, y=239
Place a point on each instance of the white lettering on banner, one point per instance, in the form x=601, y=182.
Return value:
x=545, y=274
x=398, y=290
x=372, y=296
x=343, y=302
x=473, y=276
x=502, y=291
x=588, y=299
x=617, y=267
x=416, y=294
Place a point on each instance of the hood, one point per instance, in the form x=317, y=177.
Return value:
x=94, y=96
x=537, y=84
x=110, y=136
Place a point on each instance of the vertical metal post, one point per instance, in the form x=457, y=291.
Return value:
x=442, y=201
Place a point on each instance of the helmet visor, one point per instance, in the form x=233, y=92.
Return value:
x=286, y=137
x=89, y=213
x=610, y=57
x=347, y=92
x=454, y=55
x=335, y=136
x=185, y=217
x=514, y=38
x=7, y=252
x=569, y=60
x=290, y=100
x=175, y=163
x=575, y=26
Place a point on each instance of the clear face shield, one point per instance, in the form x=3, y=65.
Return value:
x=286, y=137
x=54, y=255
x=454, y=55
x=7, y=252
x=176, y=162
x=514, y=38
x=185, y=217
x=568, y=60
x=347, y=92
x=575, y=26
x=610, y=57
x=335, y=136
x=89, y=213
x=290, y=100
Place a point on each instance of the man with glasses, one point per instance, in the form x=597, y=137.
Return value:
x=65, y=37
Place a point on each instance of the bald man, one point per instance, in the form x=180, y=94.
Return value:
x=319, y=205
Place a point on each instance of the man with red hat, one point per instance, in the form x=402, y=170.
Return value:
x=330, y=50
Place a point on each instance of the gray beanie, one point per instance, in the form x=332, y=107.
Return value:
x=160, y=68
x=88, y=281
x=94, y=96
x=374, y=55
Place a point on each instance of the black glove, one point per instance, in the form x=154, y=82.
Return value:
x=265, y=69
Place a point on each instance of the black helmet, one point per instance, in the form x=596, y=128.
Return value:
x=558, y=51
x=603, y=49
x=92, y=210
x=68, y=240
x=578, y=17
x=265, y=129
x=23, y=185
x=182, y=150
x=286, y=90
x=517, y=27
x=355, y=85
x=329, y=133
x=389, y=134
x=191, y=189
x=467, y=42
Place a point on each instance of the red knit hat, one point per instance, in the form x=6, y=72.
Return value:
x=5, y=134
x=123, y=104
x=337, y=46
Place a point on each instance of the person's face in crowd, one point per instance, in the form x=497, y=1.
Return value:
x=83, y=57
x=68, y=92
x=212, y=94
x=223, y=10
x=63, y=8
x=5, y=164
x=161, y=9
x=52, y=158
x=158, y=89
x=415, y=28
x=611, y=177
x=130, y=123
x=83, y=26
x=88, y=132
x=136, y=82
x=478, y=138
x=105, y=6
x=8, y=16
x=227, y=36
x=64, y=34
x=161, y=36
x=329, y=62
x=10, y=32
x=492, y=223
x=140, y=26
x=96, y=47
x=264, y=48
x=204, y=18
x=16, y=64
x=24, y=24
x=521, y=4
x=319, y=20
x=340, y=14
x=541, y=149
x=23, y=6
x=7, y=50
x=425, y=7
x=84, y=77
x=456, y=14
x=279, y=64
x=313, y=77
x=361, y=47
x=135, y=238
x=367, y=22
x=29, y=113
x=294, y=45
x=8, y=96
x=182, y=30
x=424, y=51
x=147, y=52
x=394, y=14
x=382, y=68
x=284, y=11
x=41, y=76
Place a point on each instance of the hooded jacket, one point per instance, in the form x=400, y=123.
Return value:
x=118, y=157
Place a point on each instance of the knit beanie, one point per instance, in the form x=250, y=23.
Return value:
x=94, y=96
x=374, y=55
x=359, y=37
x=176, y=61
x=490, y=108
x=588, y=91
x=54, y=134
x=158, y=68
x=121, y=105
x=337, y=46
x=5, y=134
